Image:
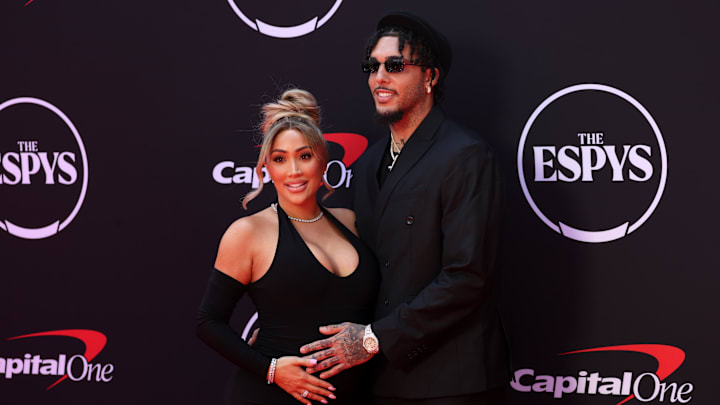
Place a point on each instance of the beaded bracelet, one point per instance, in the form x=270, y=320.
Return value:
x=271, y=371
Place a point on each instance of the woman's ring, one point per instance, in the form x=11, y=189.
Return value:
x=305, y=394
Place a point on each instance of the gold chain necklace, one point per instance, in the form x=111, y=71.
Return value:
x=394, y=156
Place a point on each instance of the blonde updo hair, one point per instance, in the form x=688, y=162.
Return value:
x=295, y=109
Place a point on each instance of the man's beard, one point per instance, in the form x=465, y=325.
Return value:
x=389, y=117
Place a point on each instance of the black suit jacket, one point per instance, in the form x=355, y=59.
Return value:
x=434, y=226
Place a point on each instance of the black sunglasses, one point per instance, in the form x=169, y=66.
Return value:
x=392, y=65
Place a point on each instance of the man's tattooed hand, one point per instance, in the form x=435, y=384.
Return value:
x=341, y=351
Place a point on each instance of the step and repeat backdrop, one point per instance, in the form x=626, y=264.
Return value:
x=127, y=139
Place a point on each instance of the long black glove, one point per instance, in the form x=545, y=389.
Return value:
x=213, y=324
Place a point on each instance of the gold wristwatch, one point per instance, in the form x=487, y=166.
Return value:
x=370, y=341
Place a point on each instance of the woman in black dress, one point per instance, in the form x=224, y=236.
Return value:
x=302, y=264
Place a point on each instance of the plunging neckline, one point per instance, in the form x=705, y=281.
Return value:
x=339, y=226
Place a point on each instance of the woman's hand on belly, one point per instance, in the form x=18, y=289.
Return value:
x=290, y=375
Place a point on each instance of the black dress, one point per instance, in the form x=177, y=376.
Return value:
x=294, y=298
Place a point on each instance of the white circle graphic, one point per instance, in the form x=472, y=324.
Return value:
x=623, y=229
x=58, y=225
x=249, y=325
x=285, y=32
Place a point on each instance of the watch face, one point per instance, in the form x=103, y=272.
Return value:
x=370, y=344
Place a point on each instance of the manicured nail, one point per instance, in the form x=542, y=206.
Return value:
x=324, y=401
x=331, y=388
x=331, y=396
x=313, y=362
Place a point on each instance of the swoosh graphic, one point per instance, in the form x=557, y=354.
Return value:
x=669, y=358
x=353, y=144
x=94, y=343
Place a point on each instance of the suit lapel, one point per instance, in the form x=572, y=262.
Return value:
x=367, y=191
x=422, y=138
x=374, y=159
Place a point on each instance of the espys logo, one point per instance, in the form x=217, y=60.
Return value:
x=43, y=169
x=645, y=387
x=275, y=31
x=338, y=171
x=75, y=367
x=592, y=163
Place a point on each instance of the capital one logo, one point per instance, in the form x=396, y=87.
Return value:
x=592, y=163
x=43, y=169
x=276, y=31
x=77, y=367
x=644, y=387
x=338, y=172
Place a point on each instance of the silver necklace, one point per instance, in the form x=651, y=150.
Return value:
x=305, y=221
x=393, y=155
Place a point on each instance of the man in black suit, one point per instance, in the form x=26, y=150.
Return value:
x=427, y=200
